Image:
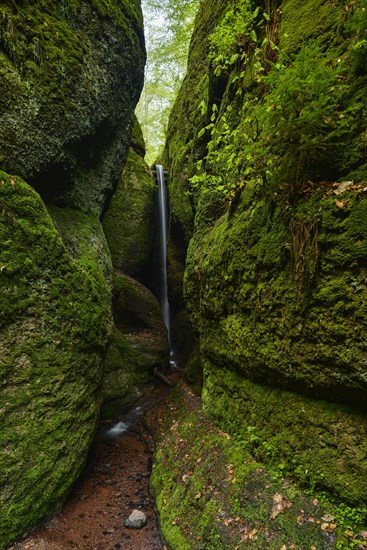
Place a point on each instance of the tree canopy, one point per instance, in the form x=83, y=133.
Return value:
x=168, y=28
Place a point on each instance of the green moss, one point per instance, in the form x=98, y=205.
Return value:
x=137, y=139
x=127, y=10
x=323, y=444
x=128, y=222
x=64, y=128
x=186, y=119
x=40, y=45
x=300, y=26
x=264, y=289
x=135, y=307
x=126, y=372
x=212, y=494
x=139, y=343
x=257, y=320
x=40, y=41
x=55, y=326
x=83, y=236
x=275, y=281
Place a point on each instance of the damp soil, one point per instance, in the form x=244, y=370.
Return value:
x=115, y=481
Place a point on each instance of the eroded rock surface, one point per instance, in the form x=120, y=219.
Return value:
x=71, y=74
x=139, y=342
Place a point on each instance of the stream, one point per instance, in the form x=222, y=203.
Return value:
x=114, y=482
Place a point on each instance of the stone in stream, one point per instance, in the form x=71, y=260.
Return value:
x=136, y=520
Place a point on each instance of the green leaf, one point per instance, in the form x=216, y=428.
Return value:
x=256, y=13
x=254, y=36
x=234, y=58
x=201, y=133
x=202, y=107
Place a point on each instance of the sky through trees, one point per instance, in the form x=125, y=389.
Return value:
x=168, y=27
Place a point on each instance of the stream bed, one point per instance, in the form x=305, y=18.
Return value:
x=114, y=482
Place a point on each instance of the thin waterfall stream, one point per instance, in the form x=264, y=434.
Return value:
x=163, y=237
x=163, y=240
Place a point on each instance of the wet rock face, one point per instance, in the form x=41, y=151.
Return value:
x=129, y=221
x=54, y=327
x=138, y=345
x=70, y=76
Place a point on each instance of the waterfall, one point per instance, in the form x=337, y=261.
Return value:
x=163, y=235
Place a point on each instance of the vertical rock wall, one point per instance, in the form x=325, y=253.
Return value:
x=267, y=135
x=71, y=75
x=55, y=325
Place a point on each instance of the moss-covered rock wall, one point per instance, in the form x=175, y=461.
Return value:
x=129, y=221
x=139, y=343
x=71, y=74
x=265, y=146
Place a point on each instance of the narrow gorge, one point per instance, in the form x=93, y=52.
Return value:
x=263, y=444
x=80, y=332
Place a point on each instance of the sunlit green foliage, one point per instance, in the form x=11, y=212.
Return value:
x=304, y=116
x=168, y=27
x=284, y=132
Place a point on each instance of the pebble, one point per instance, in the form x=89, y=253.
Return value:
x=136, y=520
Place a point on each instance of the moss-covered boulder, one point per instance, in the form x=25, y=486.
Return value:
x=281, y=302
x=70, y=76
x=126, y=373
x=279, y=298
x=83, y=236
x=55, y=325
x=139, y=345
x=129, y=221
